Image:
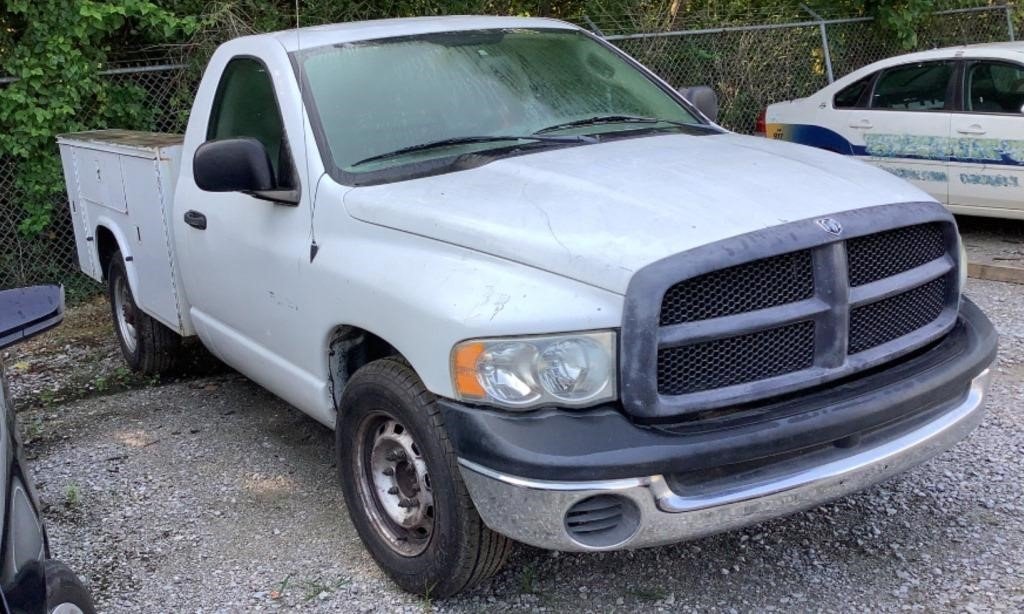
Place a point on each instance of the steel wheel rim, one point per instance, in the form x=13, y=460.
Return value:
x=394, y=484
x=124, y=312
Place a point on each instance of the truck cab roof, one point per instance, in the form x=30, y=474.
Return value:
x=340, y=33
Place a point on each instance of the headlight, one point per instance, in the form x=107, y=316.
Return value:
x=574, y=370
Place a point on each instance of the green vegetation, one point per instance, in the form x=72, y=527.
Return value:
x=56, y=50
x=72, y=496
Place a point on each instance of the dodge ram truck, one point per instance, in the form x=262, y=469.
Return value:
x=539, y=295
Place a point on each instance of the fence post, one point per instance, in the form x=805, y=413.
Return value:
x=593, y=26
x=1009, y=20
x=824, y=41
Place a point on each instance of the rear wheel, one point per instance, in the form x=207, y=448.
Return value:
x=403, y=489
x=147, y=345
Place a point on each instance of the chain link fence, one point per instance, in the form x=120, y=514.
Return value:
x=753, y=66
x=790, y=54
x=164, y=90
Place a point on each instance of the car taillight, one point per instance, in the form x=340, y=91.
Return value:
x=760, y=128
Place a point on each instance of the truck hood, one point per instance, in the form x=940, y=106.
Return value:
x=598, y=213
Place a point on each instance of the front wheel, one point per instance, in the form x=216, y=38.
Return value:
x=403, y=489
x=65, y=593
x=147, y=345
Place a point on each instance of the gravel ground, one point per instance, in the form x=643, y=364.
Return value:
x=211, y=495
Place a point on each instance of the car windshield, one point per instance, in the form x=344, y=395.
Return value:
x=385, y=103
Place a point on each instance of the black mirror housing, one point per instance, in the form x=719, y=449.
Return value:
x=704, y=98
x=233, y=165
x=25, y=312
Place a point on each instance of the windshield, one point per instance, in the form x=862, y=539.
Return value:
x=450, y=90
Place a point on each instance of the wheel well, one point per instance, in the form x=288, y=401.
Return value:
x=348, y=349
x=106, y=245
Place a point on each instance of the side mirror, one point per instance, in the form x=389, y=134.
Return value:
x=233, y=165
x=25, y=312
x=704, y=98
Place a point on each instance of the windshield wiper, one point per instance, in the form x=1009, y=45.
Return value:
x=462, y=140
x=614, y=119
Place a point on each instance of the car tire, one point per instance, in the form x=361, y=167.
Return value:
x=403, y=488
x=65, y=593
x=148, y=346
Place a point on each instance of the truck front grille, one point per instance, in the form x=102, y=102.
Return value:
x=883, y=321
x=736, y=360
x=885, y=254
x=756, y=285
x=788, y=320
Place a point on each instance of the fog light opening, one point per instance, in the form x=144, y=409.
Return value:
x=602, y=521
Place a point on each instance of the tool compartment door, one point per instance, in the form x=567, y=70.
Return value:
x=99, y=179
x=150, y=244
x=83, y=232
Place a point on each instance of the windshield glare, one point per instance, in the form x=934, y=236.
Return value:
x=377, y=97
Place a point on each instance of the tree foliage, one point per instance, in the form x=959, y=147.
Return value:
x=57, y=48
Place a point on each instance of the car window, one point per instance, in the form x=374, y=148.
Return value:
x=245, y=106
x=915, y=87
x=850, y=96
x=995, y=87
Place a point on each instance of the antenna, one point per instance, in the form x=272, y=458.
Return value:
x=313, y=247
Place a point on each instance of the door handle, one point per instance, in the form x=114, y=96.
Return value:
x=863, y=124
x=195, y=219
x=972, y=129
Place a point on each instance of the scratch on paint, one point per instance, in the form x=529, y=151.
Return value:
x=547, y=218
x=500, y=304
x=282, y=302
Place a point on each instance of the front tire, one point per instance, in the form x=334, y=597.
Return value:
x=148, y=346
x=403, y=489
x=65, y=593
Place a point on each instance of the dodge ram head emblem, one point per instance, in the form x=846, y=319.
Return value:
x=830, y=226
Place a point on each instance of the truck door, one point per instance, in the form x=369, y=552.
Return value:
x=905, y=126
x=987, y=166
x=243, y=263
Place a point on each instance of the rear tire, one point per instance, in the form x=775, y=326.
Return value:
x=403, y=488
x=65, y=593
x=148, y=346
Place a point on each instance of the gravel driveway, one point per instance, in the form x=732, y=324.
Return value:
x=211, y=495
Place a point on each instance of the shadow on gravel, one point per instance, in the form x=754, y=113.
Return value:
x=81, y=358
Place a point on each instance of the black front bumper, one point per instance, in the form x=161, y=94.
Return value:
x=602, y=443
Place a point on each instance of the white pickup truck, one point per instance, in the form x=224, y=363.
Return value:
x=538, y=294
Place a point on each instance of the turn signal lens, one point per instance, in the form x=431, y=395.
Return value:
x=464, y=365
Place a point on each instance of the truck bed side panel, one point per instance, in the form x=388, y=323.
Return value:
x=124, y=181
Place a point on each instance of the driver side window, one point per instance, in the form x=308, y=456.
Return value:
x=245, y=106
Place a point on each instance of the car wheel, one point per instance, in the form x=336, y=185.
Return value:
x=403, y=489
x=65, y=593
x=147, y=345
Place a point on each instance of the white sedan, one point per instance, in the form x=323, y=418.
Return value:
x=950, y=121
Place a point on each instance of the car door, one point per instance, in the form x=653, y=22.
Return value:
x=987, y=163
x=904, y=125
x=243, y=263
